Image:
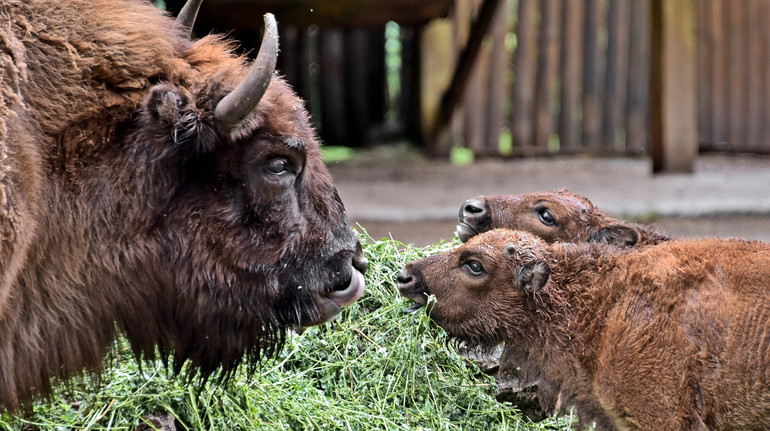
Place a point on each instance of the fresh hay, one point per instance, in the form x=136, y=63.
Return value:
x=374, y=368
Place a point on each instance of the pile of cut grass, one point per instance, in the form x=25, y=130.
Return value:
x=373, y=368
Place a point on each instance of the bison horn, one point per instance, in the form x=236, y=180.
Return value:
x=231, y=110
x=187, y=15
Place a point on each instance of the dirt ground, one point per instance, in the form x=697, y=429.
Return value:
x=401, y=195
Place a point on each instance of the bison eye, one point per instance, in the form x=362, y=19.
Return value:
x=545, y=216
x=278, y=166
x=474, y=267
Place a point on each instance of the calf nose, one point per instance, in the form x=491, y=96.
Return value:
x=404, y=278
x=473, y=218
x=410, y=285
x=472, y=209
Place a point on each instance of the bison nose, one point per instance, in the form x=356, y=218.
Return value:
x=404, y=278
x=411, y=286
x=473, y=214
x=472, y=208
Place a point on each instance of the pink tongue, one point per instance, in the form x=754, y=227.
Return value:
x=355, y=289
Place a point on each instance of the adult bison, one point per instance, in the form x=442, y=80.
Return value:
x=557, y=215
x=158, y=187
x=670, y=337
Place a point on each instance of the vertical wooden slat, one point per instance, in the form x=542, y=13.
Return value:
x=704, y=50
x=672, y=84
x=458, y=83
x=755, y=89
x=495, y=88
x=571, y=56
x=615, y=75
x=524, y=75
x=736, y=73
x=637, y=118
x=546, y=72
x=287, y=61
x=333, y=126
x=375, y=73
x=356, y=104
x=719, y=89
x=765, y=75
x=435, y=76
x=409, y=110
x=591, y=113
x=471, y=123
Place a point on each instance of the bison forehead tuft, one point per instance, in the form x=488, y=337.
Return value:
x=521, y=245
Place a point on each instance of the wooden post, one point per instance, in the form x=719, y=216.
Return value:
x=618, y=23
x=456, y=90
x=435, y=76
x=637, y=110
x=672, y=86
x=571, y=60
x=523, y=88
x=547, y=57
x=591, y=109
x=496, y=83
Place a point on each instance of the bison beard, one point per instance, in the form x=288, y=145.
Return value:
x=139, y=195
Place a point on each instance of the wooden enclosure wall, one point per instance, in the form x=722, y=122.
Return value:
x=341, y=73
x=553, y=77
x=734, y=75
x=563, y=77
x=572, y=76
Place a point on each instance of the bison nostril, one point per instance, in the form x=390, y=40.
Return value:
x=404, y=277
x=472, y=208
x=359, y=261
x=361, y=264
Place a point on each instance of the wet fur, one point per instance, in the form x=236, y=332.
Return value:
x=577, y=219
x=123, y=208
x=666, y=337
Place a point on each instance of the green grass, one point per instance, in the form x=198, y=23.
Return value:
x=373, y=368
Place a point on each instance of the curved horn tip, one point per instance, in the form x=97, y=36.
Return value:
x=187, y=15
x=270, y=23
x=237, y=105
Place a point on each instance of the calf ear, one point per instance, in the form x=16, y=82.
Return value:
x=617, y=235
x=533, y=276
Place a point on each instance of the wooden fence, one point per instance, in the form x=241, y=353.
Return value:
x=573, y=79
x=553, y=76
x=734, y=75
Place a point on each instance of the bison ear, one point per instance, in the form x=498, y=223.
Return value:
x=170, y=111
x=533, y=276
x=617, y=235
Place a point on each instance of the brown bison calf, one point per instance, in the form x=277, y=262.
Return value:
x=554, y=216
x=671, y=337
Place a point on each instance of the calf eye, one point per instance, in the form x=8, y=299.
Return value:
x=474, y=267
x=278, y=166
x=545, y=216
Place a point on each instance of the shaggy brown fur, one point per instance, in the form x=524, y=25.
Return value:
x=123, y=207
x=670, y=337
x=555, y=216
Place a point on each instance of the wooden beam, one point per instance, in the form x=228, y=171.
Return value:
x=462, y=72
x=230, y=14
x=672, y=86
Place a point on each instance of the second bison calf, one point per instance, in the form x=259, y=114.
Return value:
x=555, y=216
x=671, y=337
